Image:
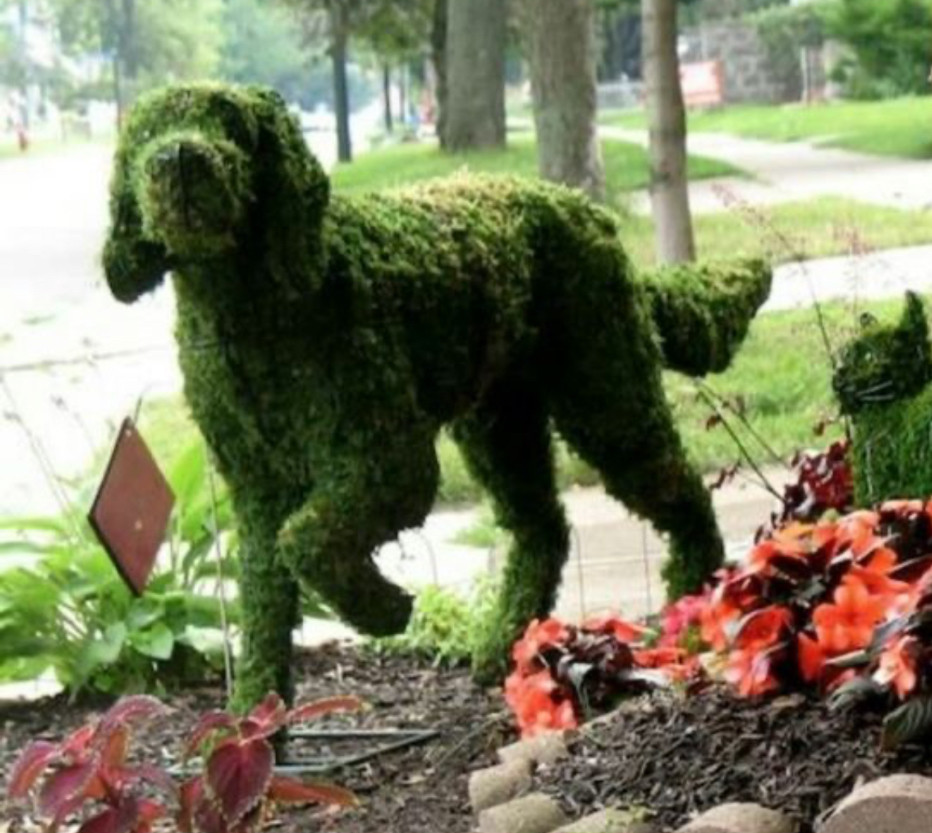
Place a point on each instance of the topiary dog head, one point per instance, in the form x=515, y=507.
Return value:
x=201, y=173
x=885, y=363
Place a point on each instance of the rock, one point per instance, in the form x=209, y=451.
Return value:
x=740, y=818
x=536, y=813
x=545, y=748
x=608, y=821
x=498, y=784
x=896, y=804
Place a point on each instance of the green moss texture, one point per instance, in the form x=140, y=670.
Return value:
x=325, y=341
x=882, y=383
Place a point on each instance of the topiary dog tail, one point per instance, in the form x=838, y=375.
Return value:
x=702, y=311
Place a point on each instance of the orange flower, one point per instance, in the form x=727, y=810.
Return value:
x=849, y=623
x=898, y=666
x=715, y=620
x=762, y=628
x=658, y=657
x=535, y=707
x=897, y=596
x=538, y=637
x=793, y=541
x=751, y=673
x=622, y=631
x=811, y=658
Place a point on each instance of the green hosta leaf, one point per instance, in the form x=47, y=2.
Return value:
x=144, y=613
x=106, y=650
x=38, y=524
x=188, y=475
x=157, y=642
x=911, y=721
x=206, y=641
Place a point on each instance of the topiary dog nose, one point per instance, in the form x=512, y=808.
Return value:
x=193, y=192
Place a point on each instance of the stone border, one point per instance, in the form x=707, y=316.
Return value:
x=500, y=796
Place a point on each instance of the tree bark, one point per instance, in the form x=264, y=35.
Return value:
x=561, y=48
x=387, y=97
x=438, y=44
x=339, y=40
x=476, y=34
x=666, y=119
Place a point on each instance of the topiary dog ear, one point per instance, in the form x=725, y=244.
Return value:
x=132, y=264
x=294, y=192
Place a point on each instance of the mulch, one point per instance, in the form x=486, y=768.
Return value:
x=674, y=756
x=679, y=757
x=421, y=789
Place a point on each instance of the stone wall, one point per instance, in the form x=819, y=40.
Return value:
x=746, y=69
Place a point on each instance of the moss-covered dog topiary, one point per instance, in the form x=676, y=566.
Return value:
x=325, y=341
x=882, y=383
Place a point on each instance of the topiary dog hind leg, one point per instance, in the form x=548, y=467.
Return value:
x=507, y=445
x=609, y=403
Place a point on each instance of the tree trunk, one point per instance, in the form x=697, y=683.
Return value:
x=128, y=51
x=476, y=32
x=339, y=39
x=561, y=49
x=387, y=97
x=403, y=95
x=666, y=119
x=438, y=44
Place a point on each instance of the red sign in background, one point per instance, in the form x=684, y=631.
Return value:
x=703, y=84
x=131, y=511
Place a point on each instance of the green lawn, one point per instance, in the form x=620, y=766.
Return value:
x=895, y=127
x=817, y=228
x=625, y=166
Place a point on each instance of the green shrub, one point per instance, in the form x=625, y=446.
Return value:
x=64, y=607
x=890, y=40
x=445, y=627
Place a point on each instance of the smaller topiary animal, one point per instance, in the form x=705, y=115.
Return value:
x=882, y=383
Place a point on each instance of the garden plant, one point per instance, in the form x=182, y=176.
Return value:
x=325, y=341
x=64, y=609
x=92, y=775
x=839, y=606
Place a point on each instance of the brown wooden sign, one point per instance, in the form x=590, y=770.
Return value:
x=131, y=511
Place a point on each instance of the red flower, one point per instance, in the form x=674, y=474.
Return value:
x=898, y=666
x=538, y=637
x=675, y=663
x=614, y=626
x=811, y=658
x=751, y=672
x=849, y=623
x=762, y=628
x=680, y=616
x=537, y=703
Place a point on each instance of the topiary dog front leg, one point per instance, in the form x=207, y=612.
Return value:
x=269, y=597
x=329, y=543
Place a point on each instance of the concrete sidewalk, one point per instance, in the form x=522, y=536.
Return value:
x=780, y=172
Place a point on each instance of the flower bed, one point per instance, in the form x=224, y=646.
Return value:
x=841, y=607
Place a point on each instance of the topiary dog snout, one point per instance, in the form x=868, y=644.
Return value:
x=193, y=193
